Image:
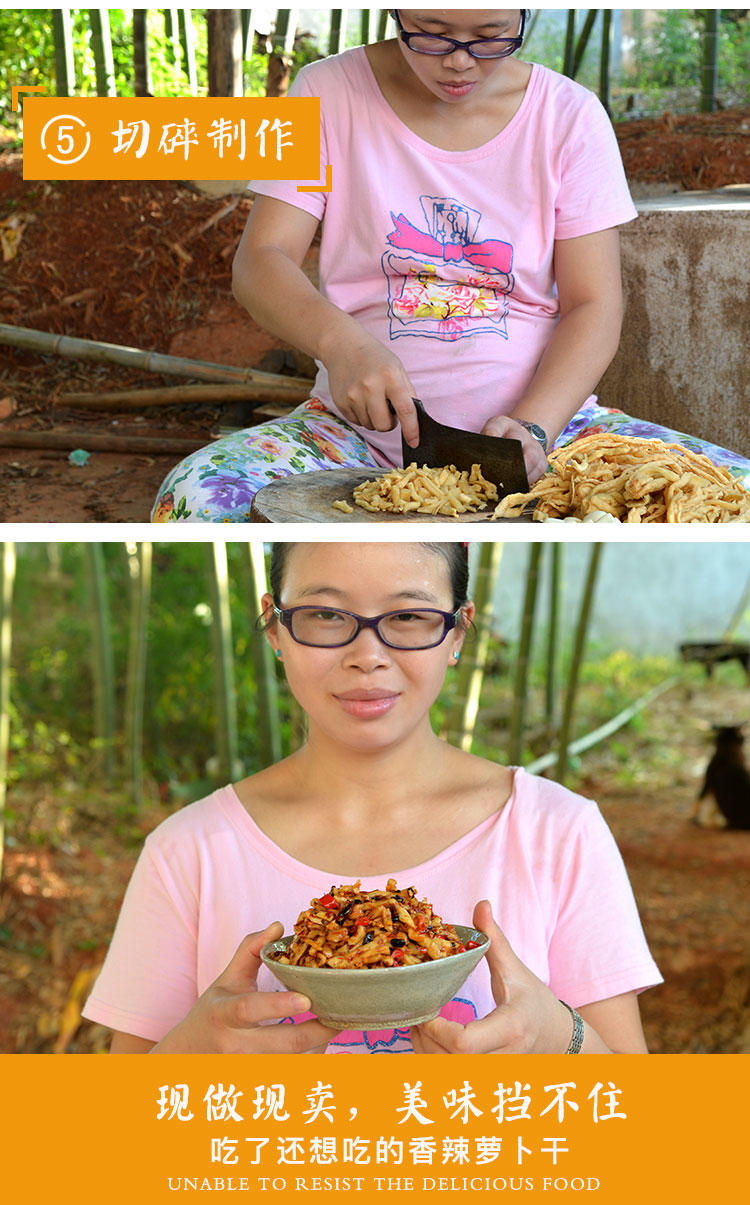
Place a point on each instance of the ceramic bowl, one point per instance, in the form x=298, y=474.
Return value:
x=380, y=997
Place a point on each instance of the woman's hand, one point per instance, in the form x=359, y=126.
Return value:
x=370, y=386
x=533, y=454
x=528, y=1018
x=227, y=1018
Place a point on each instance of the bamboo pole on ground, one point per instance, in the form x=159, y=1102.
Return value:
x=523, y=660
x=571, y=691
x=7, y=580
x=142, y=445
x=608, y=729
x=470, y=669
x=221, y=635
x=26, y=339
x=134, y=399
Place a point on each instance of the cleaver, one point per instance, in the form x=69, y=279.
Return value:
x=501, y=460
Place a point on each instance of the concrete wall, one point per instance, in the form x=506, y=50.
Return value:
x=649, y=596
x=684, y=357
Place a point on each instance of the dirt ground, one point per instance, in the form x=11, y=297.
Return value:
x=70, y=853
x=148, y=265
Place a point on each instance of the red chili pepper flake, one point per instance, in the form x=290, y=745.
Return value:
x=460, y=949
x=472, y=945
x=328, y=902
x=397, y=957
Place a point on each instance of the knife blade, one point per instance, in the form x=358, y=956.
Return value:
x=501, y=460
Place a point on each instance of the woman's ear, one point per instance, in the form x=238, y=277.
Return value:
x=268, y=623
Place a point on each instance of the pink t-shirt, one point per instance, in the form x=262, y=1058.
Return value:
x=446, y=257
x=208, y=876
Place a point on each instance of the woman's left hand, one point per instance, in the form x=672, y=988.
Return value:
x=534, y=456
x=528, y=1019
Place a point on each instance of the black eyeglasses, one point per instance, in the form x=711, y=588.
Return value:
x=326, y=628
x=478, y=48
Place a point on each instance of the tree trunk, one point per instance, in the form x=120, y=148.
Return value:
x=101, y=44
x=470, y=669
x=382, y=24
x=62, y=32
x=268, y=745
x=584, y=615
x=7, y=579
x=221, y=632
x=710, y=60
x=102, y=662
x=187, y=42
x=143, y=84
x=224, y=52
x=139, y=565
x=521, y=679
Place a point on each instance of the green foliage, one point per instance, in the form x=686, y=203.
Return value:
x=666, y=60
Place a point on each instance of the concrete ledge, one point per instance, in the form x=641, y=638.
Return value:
x=684, y=358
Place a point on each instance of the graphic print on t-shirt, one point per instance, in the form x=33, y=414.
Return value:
x=442, y=281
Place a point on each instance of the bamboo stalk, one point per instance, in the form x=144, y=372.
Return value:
x=604, y=72
x=266, y=684
x=102, y=661
x=470, y=670
x=221, y=635
x=521, y=679
x=583, y=40
x=550, y=708
x=70, y=440
x=7, y=579
x=187, y=42
x=101, y=44
x=173, y=395
x=133, y=357
x=62, y=29
x=566, y=726
x=139, y=564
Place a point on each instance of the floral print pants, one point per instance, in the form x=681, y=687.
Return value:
x=217, y=483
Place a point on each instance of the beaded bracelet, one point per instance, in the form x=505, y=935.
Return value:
x=576, y=1042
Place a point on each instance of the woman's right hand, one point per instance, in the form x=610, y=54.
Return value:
x=227, y=1018
x=368, y=384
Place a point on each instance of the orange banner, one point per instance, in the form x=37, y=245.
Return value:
x=171, y=138
x=609, y=1129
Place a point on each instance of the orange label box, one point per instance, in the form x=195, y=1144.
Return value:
x=608, y=1130
x=171, y=138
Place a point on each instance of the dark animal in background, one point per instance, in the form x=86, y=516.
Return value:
x=710, y=652
x=727, y=780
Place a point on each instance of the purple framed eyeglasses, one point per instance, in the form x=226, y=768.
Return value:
x=478, y=48
x=331, y=628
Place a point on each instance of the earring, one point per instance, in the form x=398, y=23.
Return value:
x=456, y=655
x=278, y=653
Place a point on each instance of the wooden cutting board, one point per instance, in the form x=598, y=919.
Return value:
x=309, y=498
